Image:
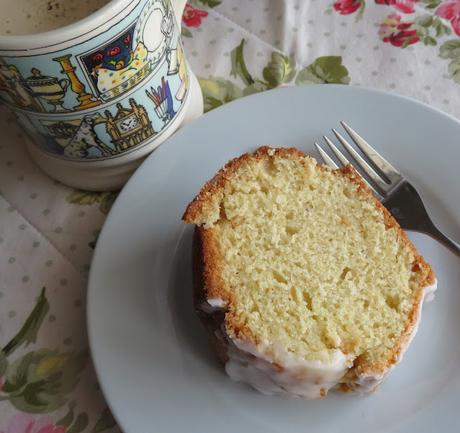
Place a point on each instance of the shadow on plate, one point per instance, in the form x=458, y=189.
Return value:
x=189, y=331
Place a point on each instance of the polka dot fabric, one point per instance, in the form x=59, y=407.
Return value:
x=48, y=231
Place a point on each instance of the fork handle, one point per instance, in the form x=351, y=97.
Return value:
x=436, y=234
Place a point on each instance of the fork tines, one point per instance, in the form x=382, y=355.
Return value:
x=380, y=175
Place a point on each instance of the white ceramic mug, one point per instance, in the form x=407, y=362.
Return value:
x=97, y=96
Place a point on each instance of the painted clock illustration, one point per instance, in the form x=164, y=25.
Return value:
x=128, y=123
x=129, y=126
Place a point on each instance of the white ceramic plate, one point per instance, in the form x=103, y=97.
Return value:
x=150, y=351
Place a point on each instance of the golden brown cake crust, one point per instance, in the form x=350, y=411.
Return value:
x=224, y=174
x=213, y=321
x=208, y=264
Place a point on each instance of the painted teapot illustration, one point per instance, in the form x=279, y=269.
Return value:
x=49, y=89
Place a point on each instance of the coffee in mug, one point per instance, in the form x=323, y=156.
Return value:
x=26, y=17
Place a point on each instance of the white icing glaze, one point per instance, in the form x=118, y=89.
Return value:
x=429, y=291
x=367, y=383
x=212, y=305
x=217, y=302
x=272, y=370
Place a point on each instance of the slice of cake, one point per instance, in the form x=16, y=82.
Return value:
x=304, y=279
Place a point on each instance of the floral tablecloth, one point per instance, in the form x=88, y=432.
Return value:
x=236, y=47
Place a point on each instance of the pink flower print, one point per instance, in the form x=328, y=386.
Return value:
x=404, y=6
x=450, y=10
x=346, y=7
x=397, y=33
x=25, y=423
x=192, y=16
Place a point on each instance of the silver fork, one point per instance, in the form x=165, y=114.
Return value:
x=388, y=184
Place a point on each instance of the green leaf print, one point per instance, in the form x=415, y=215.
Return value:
x=218, y=91
x=28, y=333
x=361, y=10
x=80, y=424
x=68, y=418
x=451, y=50
x=428, y=28
x=107, y=200
x=40, y=381
x=454, y=70
x=239, y=68
x=428, y=40
x=440, y=28
x=210, y=3
x=328, y=69
x=281, y=69
x=424, y=20
x=258, y=86
x=431, y=4
x=84, y=198
x=88, y=198
x=3, y=363
x=186, y=33
x=105, y=422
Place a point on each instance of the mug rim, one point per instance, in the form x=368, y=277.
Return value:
x=32, y=41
